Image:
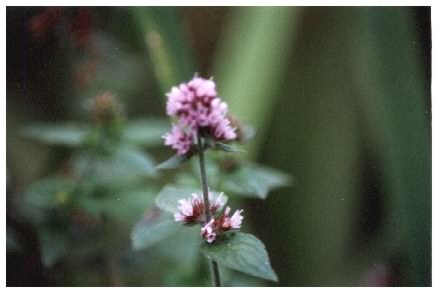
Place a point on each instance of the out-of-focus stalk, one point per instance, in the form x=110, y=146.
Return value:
x=252, y=62
x=167, y=48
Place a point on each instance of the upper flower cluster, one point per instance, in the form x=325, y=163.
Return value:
x=198, y=109
x=192, y=211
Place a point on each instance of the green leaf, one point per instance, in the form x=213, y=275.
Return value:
x=123, y=164
x=189, y=180
x=125, y=206
x=53, y=245
x=242, y=252
x=152, y=229
x=134, y=161
x=169, y=196
x=184, y=249
x=45, y=195
x=67, y=134
x=145, y=132
x=174, y=162
x=254, y=181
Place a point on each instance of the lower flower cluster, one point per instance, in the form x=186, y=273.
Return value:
x=192, y=211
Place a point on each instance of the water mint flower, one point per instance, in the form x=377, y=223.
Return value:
x=220, y=224
x=224, y=222
x=192, y=210
x=198, y=109
x=233, y=222
x=218, y=204
x=179, y=140
x=208, y=232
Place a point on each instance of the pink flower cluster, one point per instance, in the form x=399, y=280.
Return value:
x=198, y=109
x=192, y=211
x=220, y=224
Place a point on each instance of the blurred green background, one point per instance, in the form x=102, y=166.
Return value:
x=340, y=98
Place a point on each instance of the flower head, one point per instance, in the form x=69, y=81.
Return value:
x=105, y=107
x=198, y=108
x=192, y=210
x=221, y=224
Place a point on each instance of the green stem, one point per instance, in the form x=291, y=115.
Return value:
x=215, y=273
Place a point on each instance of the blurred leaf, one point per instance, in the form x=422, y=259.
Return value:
x=254, y=180
x=189, y=180
x=134, y=162
x=184, y=249
x=69, y=134
x=174, y=162
x=242, y=252
x=252, y=60
x=164, y=37
x=227, y=148
x=152, y=229
x=123, y=205
x=53, y=245
x=145, y=132
x=45, y=195
x=169, y=196
x=123, y=164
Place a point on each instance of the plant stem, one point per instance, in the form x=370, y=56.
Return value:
x=215, y=273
